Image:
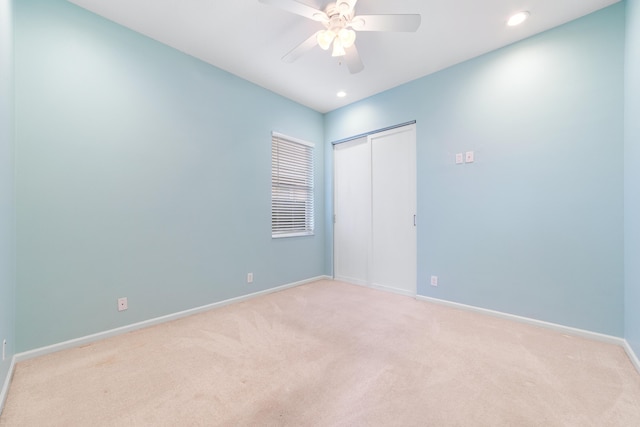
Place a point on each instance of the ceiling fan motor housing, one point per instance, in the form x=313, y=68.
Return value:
x=339, y=17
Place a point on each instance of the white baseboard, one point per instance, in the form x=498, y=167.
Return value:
x=140, y=325
x=553, y=326
x=151, y=322
x=7, y=381
x=632, y=355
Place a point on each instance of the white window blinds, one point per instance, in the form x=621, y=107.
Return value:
x=291, y=187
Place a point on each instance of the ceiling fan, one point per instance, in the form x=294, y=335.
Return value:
x=341, y=24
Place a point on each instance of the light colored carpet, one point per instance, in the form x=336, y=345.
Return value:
x=330, y=354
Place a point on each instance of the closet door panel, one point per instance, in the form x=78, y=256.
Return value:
x=393, y=208
x=352, y=208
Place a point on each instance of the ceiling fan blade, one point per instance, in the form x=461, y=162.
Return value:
x=403, y=23
x=299, y=9
x=301, y=49
x=353, y=61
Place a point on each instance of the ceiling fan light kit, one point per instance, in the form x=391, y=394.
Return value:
x=341, y=24
x=325, y=37
x=338, y=49
x=342, y=40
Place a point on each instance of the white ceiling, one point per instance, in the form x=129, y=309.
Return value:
x=248, y=38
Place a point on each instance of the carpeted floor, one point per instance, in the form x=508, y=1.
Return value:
x=330, y=354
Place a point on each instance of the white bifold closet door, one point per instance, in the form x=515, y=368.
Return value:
x=375, y=207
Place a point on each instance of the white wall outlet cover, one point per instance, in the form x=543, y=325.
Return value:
x=459, y=159
x=469, y=157
x=434, y=280
x=122, y=304
x=249, y=277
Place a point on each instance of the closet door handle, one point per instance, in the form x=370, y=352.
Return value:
x=414, y=220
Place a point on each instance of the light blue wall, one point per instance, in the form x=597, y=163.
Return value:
x=127, y=148
x=535, y=226
x=7, y=199
x=632, y=177
x=141, y=172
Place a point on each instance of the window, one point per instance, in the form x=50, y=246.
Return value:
x=291, y=187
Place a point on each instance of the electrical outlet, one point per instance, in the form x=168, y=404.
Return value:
x=122, y=304
x=249, y=277
x=434, y=280
x=4, y=349
x=459, y=159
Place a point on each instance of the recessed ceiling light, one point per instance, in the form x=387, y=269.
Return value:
x=341, y=94
x=518, y=19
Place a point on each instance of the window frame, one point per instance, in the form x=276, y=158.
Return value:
x=295, y=178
